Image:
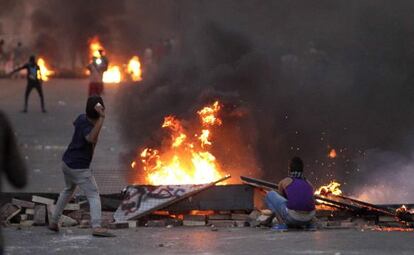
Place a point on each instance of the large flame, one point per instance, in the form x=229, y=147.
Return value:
x=94, y=46
x=187, y=159
x=134, y=68
x=331, y=188
x=112, y=75
x=44, y=71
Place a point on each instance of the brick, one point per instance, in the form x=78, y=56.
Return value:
x=132, y=224
x=239, y=216
x=219, y=217
x=118, y=225
x=39, y=217
x=8, y=211
x=67, y=221
x=23, y=203
x=29, y=211
x=26, y=223
x=193, y=223
x=72, y=207
x=194, y=217
x=43, y=200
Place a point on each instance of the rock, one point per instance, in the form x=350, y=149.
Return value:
x=67, y=221
x=22, y=203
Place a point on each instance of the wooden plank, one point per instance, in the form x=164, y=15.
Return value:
x=43, y=200
x=22, y=203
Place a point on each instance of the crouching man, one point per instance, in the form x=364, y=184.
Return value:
x=293, y=204
x=76, y=163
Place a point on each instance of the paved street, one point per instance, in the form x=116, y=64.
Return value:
x=201, y=240
x=44, y=137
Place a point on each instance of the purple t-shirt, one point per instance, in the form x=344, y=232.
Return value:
x=300, y=195
x=79, y=153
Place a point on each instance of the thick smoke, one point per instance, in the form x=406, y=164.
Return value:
x=296, y=77
x=308, y=77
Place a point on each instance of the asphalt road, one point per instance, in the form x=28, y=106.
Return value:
x=202, y=240
x=44, y=137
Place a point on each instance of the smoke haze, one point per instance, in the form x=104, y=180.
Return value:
x=296, y=78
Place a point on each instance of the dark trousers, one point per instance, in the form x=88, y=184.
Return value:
x=38, y=87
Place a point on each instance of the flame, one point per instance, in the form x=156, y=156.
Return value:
x=332, y=153
x=134, y=68
x=44, y=71
x=331, y=188
x=112, y=75
x=187, y=159
x=94, y=46
x=133, y=164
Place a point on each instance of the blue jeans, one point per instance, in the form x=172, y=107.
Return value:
x=277, y=204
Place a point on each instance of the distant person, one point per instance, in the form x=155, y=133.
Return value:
x=293, y=204
x=34, y=81
x=96, y=69
x=76, y=165
x=11, y=163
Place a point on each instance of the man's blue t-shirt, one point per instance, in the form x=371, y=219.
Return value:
x=79, y=153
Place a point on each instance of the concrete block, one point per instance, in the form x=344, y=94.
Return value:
x=22, y=203
x=39, y=217
x=43, y=200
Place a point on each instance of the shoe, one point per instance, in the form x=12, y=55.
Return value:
x=311, y=227
x=102, y=232
x=54, y=227
x=280, y=227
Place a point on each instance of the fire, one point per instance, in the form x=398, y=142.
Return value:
x=94, y=46
x=112, y=75
x=187, y=159
x=44, y=71
x=331, y=188
x=134, y=68
x=332, y=153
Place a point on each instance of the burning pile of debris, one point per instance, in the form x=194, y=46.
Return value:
x=204, y=205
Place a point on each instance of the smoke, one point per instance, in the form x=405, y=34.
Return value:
x=390, y=177
x=308, y=77
x=296, y=77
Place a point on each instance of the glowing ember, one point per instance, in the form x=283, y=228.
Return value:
x=331, y=188
x=187, y=159
x=44, y=71
x=133, y=164
x=332, y=153
x=134, y=69
x=112, y=75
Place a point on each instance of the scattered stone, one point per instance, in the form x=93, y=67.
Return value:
x=23, y=203
x=72, y=207
x=191, y=217
x=193, y=223
x=39, y=217
x=132, y=224
x=119, y=225
x=8, y=211
x=43, y=200
x=29, y=211
x=219, y=217
x=67, y=221
x=26, y=223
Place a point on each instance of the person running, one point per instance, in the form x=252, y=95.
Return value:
x=76, y=166
x=34, y=81
x=293, y=204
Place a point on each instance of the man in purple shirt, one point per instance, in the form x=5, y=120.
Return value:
x=76, y=165
x=293, y=204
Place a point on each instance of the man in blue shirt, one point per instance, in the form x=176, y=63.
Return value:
x=76, y=165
